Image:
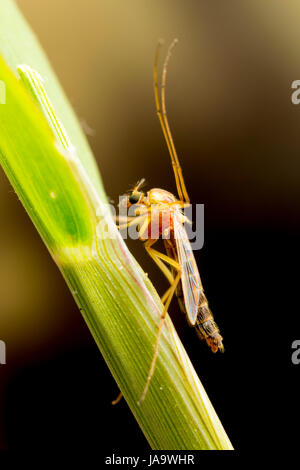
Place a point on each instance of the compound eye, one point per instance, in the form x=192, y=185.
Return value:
x=134, y=198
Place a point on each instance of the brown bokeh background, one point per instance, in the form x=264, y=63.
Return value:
x=237, y=135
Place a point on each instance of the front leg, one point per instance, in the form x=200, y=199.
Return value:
x=132, y=221
x=159, y=257
x=169, y=297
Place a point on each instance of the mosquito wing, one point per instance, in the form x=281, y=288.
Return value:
x=190, y=278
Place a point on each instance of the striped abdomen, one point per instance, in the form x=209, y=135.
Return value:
x=206, y=326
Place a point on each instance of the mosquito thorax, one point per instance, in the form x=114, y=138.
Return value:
x=160, y=196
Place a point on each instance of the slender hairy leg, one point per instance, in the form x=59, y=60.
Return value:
x=162, y=116
x=144, y=227
x=118, y=399
x=166, y=299
x=142, y=230
x=134, y=221
x=166, y=295
x=175, y=160
x=158, y=257
x=123, y=218
x=162, y=319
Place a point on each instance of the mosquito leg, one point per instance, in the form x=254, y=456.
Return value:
x=134, y=221
x=165, y=296
x=156, y=348
x=155, y=255
x=158, y=257
x=118, y=399
x=144, y=227
x=181, y=188
x=123, y=218
x=164, y=257
x=161, y=120
x=141, y=232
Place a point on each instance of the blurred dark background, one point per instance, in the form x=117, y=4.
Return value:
x=237, y=135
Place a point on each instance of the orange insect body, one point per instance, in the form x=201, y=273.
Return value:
x=158, y=214
x=163, y=217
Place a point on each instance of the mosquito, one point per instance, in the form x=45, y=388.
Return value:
x=178, y=264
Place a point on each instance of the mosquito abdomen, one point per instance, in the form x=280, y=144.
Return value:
x=207, y=328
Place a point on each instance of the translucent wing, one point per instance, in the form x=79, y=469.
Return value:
x=190, y=278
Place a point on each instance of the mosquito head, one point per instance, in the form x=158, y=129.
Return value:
x=134, y=196
x=131, y=199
